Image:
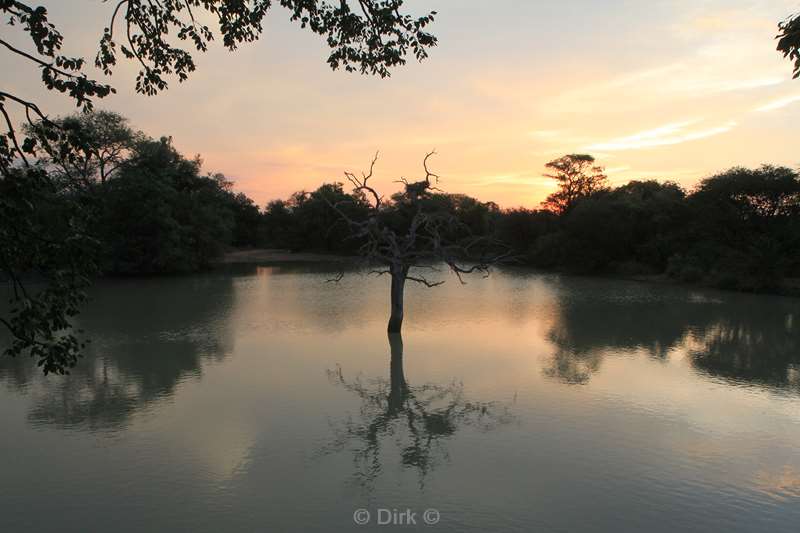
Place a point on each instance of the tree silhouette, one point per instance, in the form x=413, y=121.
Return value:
x=789, y=41
x=372, y=37
x=412, y=230
x=102, y=141
x=577, y=177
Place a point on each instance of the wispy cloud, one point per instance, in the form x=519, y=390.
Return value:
x=779, y=103
x=688, y=77
x=667, y=135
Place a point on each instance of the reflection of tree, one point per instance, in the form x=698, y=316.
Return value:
x=419, y=418
x=16, y=372
x=759, y=349
x=573, y=368
x=745, y=338
x=149, y=336
x=589, y=325
x=114, y=382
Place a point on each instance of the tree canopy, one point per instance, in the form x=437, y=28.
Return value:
x=789, y=41
x=99, y=142
x=577, y=177
x=49, y=168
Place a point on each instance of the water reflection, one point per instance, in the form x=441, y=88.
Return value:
x=745, y=340
x=144, y=343
x=782, y=485
x=417, y=419
x=760, y=349
x=649, y=438
x=329, y=307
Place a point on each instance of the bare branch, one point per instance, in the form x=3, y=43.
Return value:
x=42, y=64
x=12, y=135
x=424, y=281
x=362, y=184
x=409, y=234
x=428, y=173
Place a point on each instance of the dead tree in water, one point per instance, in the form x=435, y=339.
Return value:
x=412, y=232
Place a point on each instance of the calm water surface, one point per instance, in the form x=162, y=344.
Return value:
x=264, y=399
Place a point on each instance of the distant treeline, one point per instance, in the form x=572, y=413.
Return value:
x=739, y=229
x=121, y=202
x=152, y=210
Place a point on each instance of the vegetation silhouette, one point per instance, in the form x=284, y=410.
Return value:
x=739, y=229
x=789, y=41
x=413, y=230
x=578, y=177
x=104, y=139
x=49, y=253
x=139, y=207
x=144, y=208
x=372, y=38
x=419, y=418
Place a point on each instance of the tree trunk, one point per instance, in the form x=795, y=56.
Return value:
x=398, y=287
x=398, y=391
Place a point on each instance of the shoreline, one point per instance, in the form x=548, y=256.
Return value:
x=274, y=255
x=267, y=256
x=790, y=287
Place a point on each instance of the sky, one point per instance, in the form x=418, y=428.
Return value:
x=658, y=89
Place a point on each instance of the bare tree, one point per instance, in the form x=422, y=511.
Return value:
x=412, y=232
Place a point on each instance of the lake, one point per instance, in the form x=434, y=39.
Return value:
x=266, y=399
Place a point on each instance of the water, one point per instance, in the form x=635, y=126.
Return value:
x=265, y=399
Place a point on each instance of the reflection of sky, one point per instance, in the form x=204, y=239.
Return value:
x=229, y=438
x=667, y=89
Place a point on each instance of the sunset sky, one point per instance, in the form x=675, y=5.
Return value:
x=656, y=89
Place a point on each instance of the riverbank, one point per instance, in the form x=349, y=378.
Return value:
x=271, y=256
x=788, y=287
x=267, y=256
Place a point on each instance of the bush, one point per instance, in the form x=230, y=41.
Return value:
x=160, y=216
